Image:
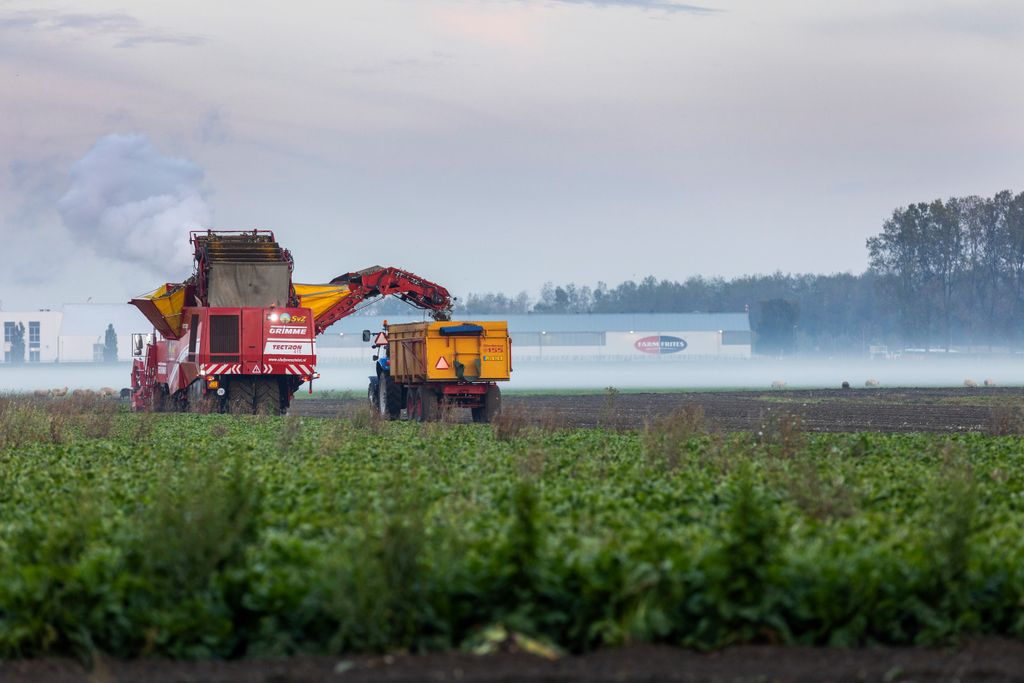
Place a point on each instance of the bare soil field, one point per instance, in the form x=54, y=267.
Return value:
x=983, y=660
x=823, y=410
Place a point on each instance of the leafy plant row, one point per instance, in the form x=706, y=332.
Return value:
x=214, y=536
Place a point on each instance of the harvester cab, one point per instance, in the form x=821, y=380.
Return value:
x=140, y=342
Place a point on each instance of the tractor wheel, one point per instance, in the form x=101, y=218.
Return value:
x=390, y=400
x=491, y=407
x=371, y=396
x=241, y=397
x=429, y=407
x=267, y=396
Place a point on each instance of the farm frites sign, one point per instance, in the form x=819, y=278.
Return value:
x=659, y=344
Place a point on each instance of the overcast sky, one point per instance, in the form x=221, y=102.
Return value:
x=493, y=144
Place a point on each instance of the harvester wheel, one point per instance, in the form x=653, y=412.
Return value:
x=491, y=407
x=267, y=396
x=158, y=399
x=390, y=398
x=241, y=397
x=197, y=400
x=429, y=408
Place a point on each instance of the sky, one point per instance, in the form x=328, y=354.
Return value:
x=490, y=145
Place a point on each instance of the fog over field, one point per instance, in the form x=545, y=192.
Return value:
x=748, y=374
x=567, y=375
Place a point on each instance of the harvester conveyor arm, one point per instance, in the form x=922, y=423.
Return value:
x=377, y=282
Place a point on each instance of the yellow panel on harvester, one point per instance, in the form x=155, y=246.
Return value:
x=450, y=351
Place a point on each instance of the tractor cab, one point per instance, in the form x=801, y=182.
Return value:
x=380, y=346
x=382, y=393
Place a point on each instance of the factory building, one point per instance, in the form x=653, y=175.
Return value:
x=42, y=329
x=76, y=334
x=651, y=337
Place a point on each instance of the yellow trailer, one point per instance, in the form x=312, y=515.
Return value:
x=423, y=366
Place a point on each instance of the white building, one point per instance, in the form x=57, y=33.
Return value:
x=76, y=334
x=41, y=332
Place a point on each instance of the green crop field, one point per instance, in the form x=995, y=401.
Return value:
x=220, y=536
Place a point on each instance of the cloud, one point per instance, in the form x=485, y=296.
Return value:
x=434, y=60
x=127, y=29
x=31, y=228
x=160, y=39
x=213, y=129
x=661, y=5
x=996, y=20
x=129, y=202
x=1003, y=23
x=37, y=183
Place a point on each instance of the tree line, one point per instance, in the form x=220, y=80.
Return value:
x=954, y=269
x=941, y=273
x=815, y=313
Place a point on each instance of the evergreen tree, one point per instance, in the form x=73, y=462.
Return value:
x=110, y=345
x=18, y=344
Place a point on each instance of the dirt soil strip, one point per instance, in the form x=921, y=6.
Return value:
x=824, y=410
x=983, y=660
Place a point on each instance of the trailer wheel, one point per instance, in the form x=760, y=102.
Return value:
x=413, y=405
x=491, y=407
x=390, y=398
x=429, y=408
x=267, y=396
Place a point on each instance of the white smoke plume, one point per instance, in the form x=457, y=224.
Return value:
x=128, y=201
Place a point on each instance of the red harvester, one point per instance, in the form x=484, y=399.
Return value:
x=239, y=335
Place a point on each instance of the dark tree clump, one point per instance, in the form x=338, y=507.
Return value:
x=18, y=344
x=110, y=345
